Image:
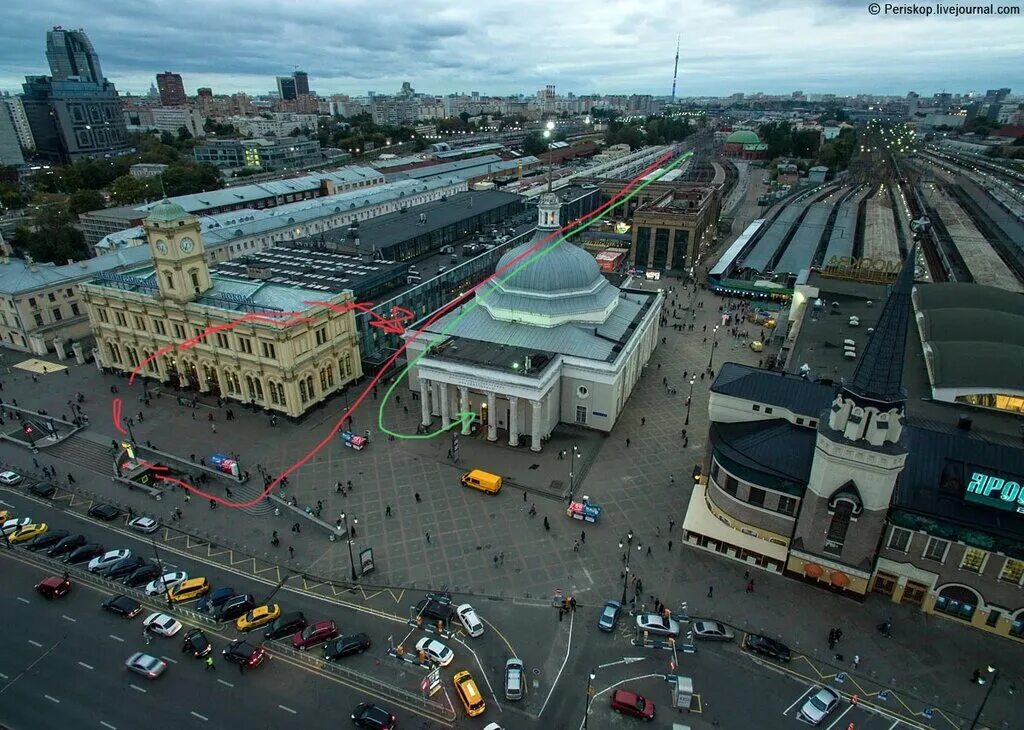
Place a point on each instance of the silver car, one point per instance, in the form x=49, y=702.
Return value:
x=657, y=625
x=146, y=664
x=144, y=524
x=819, y=705
x=712, y=631
x=514, y=680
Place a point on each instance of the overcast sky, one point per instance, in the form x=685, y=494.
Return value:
x=518, y=46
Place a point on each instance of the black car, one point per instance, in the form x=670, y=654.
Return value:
x=66, y=545
x=122, y=606
x=142, y=575
x=236, y=606
x=244, y=654
x=434, y=610
x=123, y=567
x=373, y=716
x=43, y=489
x=105, y=512
x=214, y=599
x=196, y=643
x=47, y=540
x=768, y=647
x=345, y=646
x=85, y=553
x=285, y=625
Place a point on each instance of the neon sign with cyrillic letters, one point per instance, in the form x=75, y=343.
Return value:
x=994, y=491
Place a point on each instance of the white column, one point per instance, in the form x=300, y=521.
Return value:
x=513, y=421
x=464, y=407
x=435, y=398
x=445, y=404
x=492, y=418
x=535, y=426
x=424, y=401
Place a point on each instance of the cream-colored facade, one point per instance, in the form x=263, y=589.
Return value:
x=278, y=347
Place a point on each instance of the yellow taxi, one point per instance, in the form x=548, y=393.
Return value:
x=28, y=532
x=188, y=589
x=257, y=617
x=468, y=692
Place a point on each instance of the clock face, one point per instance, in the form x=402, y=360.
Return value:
x=161, y=246
x=186, y=245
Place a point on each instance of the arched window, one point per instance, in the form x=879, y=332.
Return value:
x=303, y=393
x=170, y=279
x=957, y=601
x=194, y=275
x=254, y=387
x=232, y=383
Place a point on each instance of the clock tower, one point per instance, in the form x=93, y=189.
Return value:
x=176, y=244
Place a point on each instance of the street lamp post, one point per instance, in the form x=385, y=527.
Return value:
x=590, y=697
x=994, y=672
x=131, y=434
x=348, y=539
x=688, y=399
x=629, y=553
x=572, y=468
x=714, y=344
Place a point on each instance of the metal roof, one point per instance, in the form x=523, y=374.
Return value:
x=16, y=277
x=776, y=449
x=801, y=396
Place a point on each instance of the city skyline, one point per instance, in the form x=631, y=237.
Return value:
x=500, y=48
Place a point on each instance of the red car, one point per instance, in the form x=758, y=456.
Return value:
x=316, y=633
x=630, y=703
x=54, y=586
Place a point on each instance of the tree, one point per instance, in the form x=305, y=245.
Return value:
x=464, y=116
x=11, y=196
x=127, y=190
x=183, y=134
x=188, y=178
x=82, y=201
x=535, y=144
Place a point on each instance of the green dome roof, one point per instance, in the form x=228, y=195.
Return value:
x=742, y=136
x=165, y=210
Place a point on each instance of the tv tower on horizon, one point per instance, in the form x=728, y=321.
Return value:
x=675, y=71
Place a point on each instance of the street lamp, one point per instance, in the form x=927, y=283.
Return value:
x=590, y=697
x=991, y=684
x=572, y=467
x=688, y=399
x=714, y=344
x=629, y=554
x=348, y=539
x=131, y=434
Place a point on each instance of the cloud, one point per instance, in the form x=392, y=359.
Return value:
x=506, y=46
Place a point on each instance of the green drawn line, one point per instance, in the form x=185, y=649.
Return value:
x=480, y=296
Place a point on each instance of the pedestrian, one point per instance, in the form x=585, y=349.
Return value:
x=547, y=525
x=428, y=538
x=832, y=639
x=670, y=546
x=750, y=586
x=209, y=663
x=501, y=557
x=711, y=591
x=671, y=479
x=387, y=511
x=337, y=487
x=188, y=496
x=291, y=551
x=583, y=536
x=671, y=524
x=643, y=420
x=856, y=660
x=575, y=546
x=627, y=442
x=524, y=495
x=417, y=495
x=746, y=575
x=648, y=551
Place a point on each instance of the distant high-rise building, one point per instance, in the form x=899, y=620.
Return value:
x=10, y=147
x=286, y=87
x=172, y=90
x=407, y=89
x=154, y=93
x=301, y=83
x=204, y=92
x=71, y=55
x=21, y=126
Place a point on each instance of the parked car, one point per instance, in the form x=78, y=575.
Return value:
x=819, y=705
x=142, y=575
x=657, y=625
x=144, y=524
x=123, y=606
x=236, y=606
x=434, y=610
x=632, y=704
x=286, y=625
x=609, y=616
x=515, y=683
x=10, y=478
x=47, y=540
x=66, y=545
x=164, y=583
x=107, y=559
x=43, y=489
x=215, y=599
x=85, y=553
x=54, y=586
x=435, y=651
x=105, y=512
x=474, y=626
x=28, y=532
x=161, y=624
x=259, y=616
x=767, y=647
x=316, y=633
x=146, y=664
x=196, y=643
x=14, y=523
x=345, y=646
x=123, y=567
x=372, y=716
x=244, y=654
x=712, y=631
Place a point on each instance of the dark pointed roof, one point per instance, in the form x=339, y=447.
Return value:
x=879, y=374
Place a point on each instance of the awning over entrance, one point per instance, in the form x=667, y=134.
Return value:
x=700, y=520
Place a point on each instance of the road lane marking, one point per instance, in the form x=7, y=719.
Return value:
x=54, y=700
x=288, y=709
x=68, y=618
x=87, y=666
x=3, y=676
x=168, y=659
x=204, y=718
x=35, y=644
x=226, y=684
x=108, y=725
x=116, y=638
x=137, y=687
x=23, y=600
